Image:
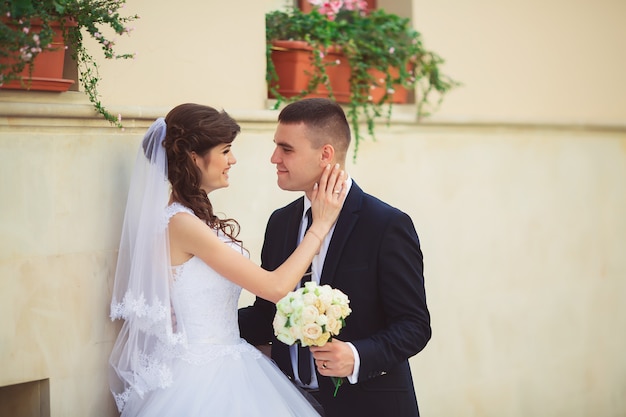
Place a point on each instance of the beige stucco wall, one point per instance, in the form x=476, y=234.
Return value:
x=517, y=188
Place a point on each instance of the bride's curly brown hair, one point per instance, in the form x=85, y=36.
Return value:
x=196, y=128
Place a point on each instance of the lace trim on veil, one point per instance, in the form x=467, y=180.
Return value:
x=151, y=374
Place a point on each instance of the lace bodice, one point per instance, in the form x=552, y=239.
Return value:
x=204, y=301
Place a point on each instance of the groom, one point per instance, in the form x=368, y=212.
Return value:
x=373, y=255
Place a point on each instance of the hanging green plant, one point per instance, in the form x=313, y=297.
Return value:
x=383, y=51
x=20, y=44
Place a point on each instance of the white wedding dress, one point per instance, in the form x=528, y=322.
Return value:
x=218, y=374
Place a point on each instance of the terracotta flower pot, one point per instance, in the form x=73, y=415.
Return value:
x=293, y=63
x=47, y=66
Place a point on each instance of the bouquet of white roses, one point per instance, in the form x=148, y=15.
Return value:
x=311, y=315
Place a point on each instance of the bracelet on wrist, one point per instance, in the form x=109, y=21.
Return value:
x=316, y=235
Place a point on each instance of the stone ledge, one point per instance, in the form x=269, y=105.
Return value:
x=75, y=106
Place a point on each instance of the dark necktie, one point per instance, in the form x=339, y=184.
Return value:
x=304, y=354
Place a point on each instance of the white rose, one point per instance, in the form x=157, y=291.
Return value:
x=333, y=326
x=295, y=332
x=322, y=320
x=310, y=332
x=285, y=336
x=326, y=297
x=309, y=299
x=310, y=286
x=280, y=321
x=295, y=320
x=285, y=309
x=339, y=297
x=309, y=314
x=334, y=311
x=296, y=304
x=284, y=305
x=325, y=289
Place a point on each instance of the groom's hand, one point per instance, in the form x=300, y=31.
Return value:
x=335, y=358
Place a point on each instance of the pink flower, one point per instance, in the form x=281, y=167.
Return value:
x=330, y=8
x=25, y=55
x=350, y=4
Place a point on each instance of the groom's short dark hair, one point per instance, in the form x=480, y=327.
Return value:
x=325, y=119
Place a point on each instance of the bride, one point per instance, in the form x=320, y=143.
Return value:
x=179, y=275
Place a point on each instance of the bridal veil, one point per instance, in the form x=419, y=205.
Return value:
x=150, y=335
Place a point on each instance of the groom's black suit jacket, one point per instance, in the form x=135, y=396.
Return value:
x=375, y=258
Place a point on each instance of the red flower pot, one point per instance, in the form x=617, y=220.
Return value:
x=293, y=61
x=47, y=66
